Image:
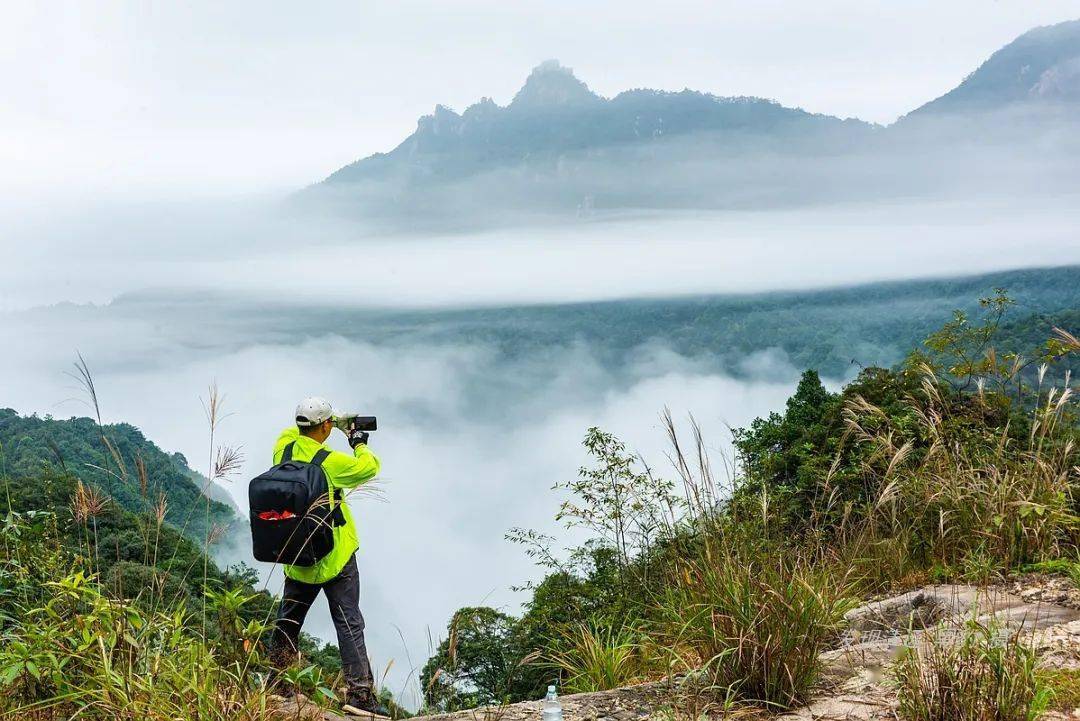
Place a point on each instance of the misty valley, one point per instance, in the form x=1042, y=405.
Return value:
x=679, y=395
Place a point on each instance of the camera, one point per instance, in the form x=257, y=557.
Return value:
x=362, y=423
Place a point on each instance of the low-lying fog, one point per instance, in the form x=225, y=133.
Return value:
x=59, y=253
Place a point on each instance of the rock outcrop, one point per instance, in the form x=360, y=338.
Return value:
x=855, y=686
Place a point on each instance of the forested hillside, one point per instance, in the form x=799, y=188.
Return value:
x=1038, y=67
x=834, y=330
x=116, y=459
x=130, y=551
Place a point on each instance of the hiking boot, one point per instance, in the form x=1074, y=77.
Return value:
x=363, y=702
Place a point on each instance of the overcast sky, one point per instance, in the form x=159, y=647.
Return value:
x=254, y=95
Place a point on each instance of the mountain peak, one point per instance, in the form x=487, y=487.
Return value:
x=1043, y=64
x=551, y=84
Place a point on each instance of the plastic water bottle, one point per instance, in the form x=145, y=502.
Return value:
x=552, y=707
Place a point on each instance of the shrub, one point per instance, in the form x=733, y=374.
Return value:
x=960, y=464
x=84, y=655
x=70, y=649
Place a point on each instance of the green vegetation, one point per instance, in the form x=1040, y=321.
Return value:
x=480, y=657
x=127, y=552
x=959, y=463
x=751, y=618
x=835, y=331
x=978, y=674
x=1064, y=683
x=118, y=460
x=110, y=607
x=109, y=614
x=70, y=649
x=596, y=657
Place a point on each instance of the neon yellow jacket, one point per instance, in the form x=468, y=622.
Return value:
x=343, y=472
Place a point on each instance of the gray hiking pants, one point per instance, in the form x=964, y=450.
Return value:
x=343, y=596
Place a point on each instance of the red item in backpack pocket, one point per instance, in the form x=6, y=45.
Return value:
x=276, y=515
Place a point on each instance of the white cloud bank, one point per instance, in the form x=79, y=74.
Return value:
x=81, y=256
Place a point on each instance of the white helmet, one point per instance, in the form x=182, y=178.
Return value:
x=313, y=411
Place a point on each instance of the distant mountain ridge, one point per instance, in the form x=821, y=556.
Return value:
x=823, y=328
x=558, y=146
x=555, y=112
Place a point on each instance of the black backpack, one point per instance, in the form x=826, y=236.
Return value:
x=292, y=518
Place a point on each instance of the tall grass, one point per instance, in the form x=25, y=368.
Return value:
x=596, y=656
x=753, y=620
x=980, y=673
x=950, y=490
x=966, y=495
x=749, y=613
x=744, y=614
x=71, y=649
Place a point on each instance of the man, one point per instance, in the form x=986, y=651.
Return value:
x=335, y=574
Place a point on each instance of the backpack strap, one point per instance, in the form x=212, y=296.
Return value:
x=335, y=493
x=339, y=501
x=316, y=460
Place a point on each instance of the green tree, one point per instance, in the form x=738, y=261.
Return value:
x=619, y=500
x=786, y=455
x=475, y=664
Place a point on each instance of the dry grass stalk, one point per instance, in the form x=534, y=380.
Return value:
x=87, y=502
x=144, y=478
x=228, y=461
x=161, y=509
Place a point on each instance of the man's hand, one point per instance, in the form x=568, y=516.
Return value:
x=357, y=437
